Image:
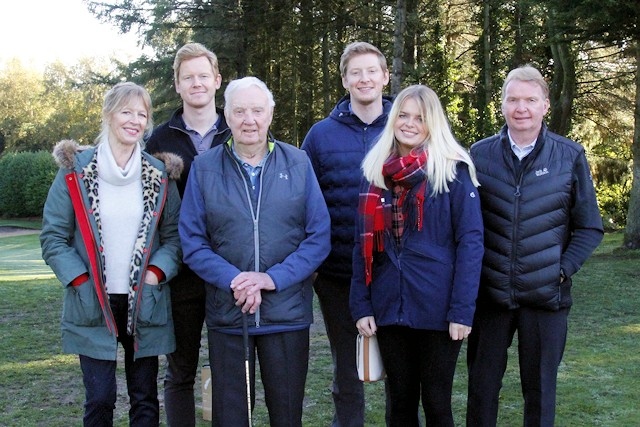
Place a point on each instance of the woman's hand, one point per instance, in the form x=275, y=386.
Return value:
x=150, y=278
x=458, y=331
x=367, y=326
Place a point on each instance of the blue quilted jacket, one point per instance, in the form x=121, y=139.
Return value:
x=336, y=146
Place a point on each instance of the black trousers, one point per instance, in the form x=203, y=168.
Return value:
x=347, y=389
x=542, y=337
x=188, y=308
x=419, y=363
x=284, y=361
x=99, y=377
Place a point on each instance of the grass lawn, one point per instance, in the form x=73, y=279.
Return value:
x=39, y=386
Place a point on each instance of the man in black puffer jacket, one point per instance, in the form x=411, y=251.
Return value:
x=541, y=223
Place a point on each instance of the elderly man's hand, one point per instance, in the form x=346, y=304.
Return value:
x=247, y=289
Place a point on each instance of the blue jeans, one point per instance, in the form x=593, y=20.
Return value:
x=99, y=377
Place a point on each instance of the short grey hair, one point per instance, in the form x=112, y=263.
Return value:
x=245, y=83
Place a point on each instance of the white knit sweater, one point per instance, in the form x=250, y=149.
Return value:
x=120, y=198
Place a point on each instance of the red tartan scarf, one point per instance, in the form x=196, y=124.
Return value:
x=401, y=175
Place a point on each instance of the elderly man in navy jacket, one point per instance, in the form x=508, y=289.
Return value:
x=541, y=223
x=255, y=227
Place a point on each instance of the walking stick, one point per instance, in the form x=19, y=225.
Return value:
x=245, y=340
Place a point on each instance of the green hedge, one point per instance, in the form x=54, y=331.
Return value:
x=25, y=179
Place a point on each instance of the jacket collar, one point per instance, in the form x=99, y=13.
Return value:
x=66, y=151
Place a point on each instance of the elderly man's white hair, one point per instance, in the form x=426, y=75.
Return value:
x=244, y=83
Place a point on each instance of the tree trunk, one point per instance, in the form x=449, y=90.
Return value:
x=486, y=53
x=305, y=87
x=484, y=62
x=563, y=86
x=327, y=100
x=519, y=18
x=398, y=47
x=632, y=231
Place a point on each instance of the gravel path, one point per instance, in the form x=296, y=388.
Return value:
x=6, y=231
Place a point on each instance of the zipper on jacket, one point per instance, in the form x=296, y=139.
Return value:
x=514, y=234
x=401, y=310
x=255, y=217
x=159, y=209
x=75, y=178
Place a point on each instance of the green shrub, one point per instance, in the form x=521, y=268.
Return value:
x=43, y=171
x=25, y=179
x=613, y=200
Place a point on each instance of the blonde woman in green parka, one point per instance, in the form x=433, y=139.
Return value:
x=110, y=235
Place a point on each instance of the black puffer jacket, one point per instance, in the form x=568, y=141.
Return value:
x=539, y=218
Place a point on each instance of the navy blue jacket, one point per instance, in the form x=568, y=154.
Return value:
x=432, y=278
x=286, y=235
x=539, y=218
x=336, y=146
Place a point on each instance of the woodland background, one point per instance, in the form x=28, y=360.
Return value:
x=589, y=51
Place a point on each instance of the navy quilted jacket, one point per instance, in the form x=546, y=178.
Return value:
x=336, y=146
x=538, y=221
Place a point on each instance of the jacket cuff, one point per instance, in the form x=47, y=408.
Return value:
x=79, y=280
x=159, y=273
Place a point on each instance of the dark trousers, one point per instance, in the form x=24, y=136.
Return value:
x=418, y=363
x=284, y=361
x=542, y=336
x=188, y=307
x=347, y=390
x=99, y=377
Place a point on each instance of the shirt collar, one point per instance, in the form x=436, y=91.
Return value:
x=521, y=152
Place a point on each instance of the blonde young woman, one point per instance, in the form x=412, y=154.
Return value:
x=418, y=255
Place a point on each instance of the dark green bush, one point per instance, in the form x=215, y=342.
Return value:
x=25, y=179
x=613, y=200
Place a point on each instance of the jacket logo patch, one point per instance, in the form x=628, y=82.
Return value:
x=284, y=176
x=542, y=171
x=473, y=195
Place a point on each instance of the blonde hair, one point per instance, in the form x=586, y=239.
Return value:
x=526, y=73
x=191, y=51
x=360, y=48
x=119, y=96
x=444, y=151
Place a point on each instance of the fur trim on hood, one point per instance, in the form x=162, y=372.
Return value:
x=64, y=153
x=172, y=163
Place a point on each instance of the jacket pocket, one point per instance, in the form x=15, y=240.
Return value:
x=153, y=306
x=81, y=306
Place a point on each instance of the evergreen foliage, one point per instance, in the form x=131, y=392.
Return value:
x=589, y=51
x=25, y=178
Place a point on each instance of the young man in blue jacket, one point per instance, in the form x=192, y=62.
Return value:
x=541, y=222
x=336, y=146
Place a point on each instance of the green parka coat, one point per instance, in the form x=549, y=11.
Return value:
x=88, y=327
